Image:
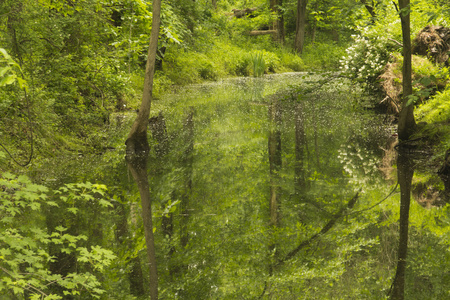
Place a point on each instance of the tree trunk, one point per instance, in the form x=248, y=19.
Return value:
x=137, y=149
x=370, y=9
x=300, y=138
x=300, y=25
x=405, y=170
x=280, y=23
x=187, y=161
x=121, y=234
x=406, y=122
x=274, y=160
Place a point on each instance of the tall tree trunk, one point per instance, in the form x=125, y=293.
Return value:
x=278, y=24
x=406, y=122
x=300, y=24
x=137, y=149
x=405, y=170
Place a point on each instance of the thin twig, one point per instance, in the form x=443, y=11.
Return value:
x=397, y=42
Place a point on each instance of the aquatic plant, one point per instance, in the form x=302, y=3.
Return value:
x=259, y=64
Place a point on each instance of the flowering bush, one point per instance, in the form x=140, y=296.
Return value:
x=367, y=57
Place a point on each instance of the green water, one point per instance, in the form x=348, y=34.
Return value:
x=222, y=234
x=251, y=180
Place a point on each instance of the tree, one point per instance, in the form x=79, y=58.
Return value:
x=278, y=24
x=406, y=122
x=137, y=149
x=300, y=24
x=405, y=170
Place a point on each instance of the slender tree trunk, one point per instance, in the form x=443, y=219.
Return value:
x=300, y=24
x=405, y=171
x=406, y=122
x=137, y=149
x=314, y=27
x=280, y=23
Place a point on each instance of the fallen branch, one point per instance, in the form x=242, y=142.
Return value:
x=397, y=42
x=324, y=230
x=261, y=32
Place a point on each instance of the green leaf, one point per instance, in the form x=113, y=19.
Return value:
x=7, y=80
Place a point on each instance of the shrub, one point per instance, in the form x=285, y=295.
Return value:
x=366, y=57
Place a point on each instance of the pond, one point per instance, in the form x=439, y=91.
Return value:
x=278, y=187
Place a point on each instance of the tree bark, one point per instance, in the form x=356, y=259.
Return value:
x=137, y=149
x=405, y=170
x=278, y=24
x=406, y=122
x=300, y=25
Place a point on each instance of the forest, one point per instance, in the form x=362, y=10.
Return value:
x=224, y=149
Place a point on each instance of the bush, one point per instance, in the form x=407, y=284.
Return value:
x=366, y=57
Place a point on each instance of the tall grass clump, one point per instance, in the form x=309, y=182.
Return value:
x=259, y=64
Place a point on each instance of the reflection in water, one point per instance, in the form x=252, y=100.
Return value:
x=405, y=171
x=211, y=186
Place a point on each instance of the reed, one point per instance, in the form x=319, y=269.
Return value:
x=259, y=64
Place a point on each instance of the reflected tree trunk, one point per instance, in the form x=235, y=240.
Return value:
x=158, y=128
x=187, y=162
x=316, y=139
x=274, y=160
x=300, y=141
x=63, y=263
x=137, y=149
x=405, y=171
x=121, y=235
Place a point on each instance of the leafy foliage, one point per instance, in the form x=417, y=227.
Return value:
x=24, y=242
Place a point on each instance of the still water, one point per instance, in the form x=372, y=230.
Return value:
x=281, y=187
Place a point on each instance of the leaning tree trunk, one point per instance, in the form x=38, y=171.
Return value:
x=406, y=122
x=137, y=149
x=300, y=23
